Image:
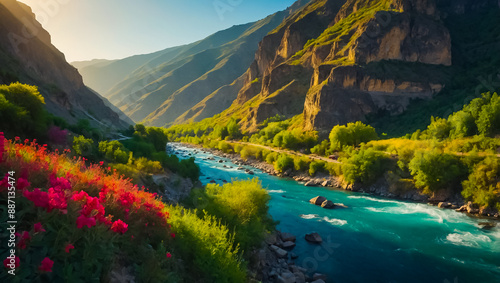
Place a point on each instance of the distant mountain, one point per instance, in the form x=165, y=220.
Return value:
x=28, y=56
x=170, y=82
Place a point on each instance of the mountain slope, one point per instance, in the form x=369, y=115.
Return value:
x=27, y=55
x=168, y=84
x=334, y=62
x=338, y=61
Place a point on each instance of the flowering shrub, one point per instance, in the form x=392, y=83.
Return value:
x=75, y=219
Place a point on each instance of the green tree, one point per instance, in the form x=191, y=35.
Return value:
x=283, y=163
x=233, y=129
x=434, y=170
x=364, y=166
x=83, y=146
x=351, y=135
x=483, y=184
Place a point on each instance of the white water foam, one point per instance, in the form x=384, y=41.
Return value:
x=309, y=216
x=373, y=199
x=336, y=222
x=467, y=239
x=276, y=191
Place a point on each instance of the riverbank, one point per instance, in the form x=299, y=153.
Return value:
x=385, y=187
x=431, y=244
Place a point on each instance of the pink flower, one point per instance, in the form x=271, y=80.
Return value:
x=85, y=221
x=119, y=226
x=46, y=265
x=8, y=262
x=169, y=255
x=39, y=198
x=22, y=183
x=38, y=227
x=25, y=238
x=80, y=196
x=68, y=248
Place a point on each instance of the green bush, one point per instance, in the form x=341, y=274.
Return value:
x=83, y=146
x=22, y=110
x=483, y=185
x=434, y=170
x=207, y=246
x=351, y=135
x=283, y=163
x=365, y=166
x=114, y=151
x=243, y=207
x=301, y=163
x=316, y=166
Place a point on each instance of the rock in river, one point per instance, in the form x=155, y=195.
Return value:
x=328, y=204
x=317, y=200
x=314, y=238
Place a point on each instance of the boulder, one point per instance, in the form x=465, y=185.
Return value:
x=328, y=204
x=314, y=238
x=444, y=205
x=317, y=200
x=310, y=184
x=487, y=225
x=319, y=276
x=340, y=205
x=288, y=245
x=281, y=253
x=293, y=256
x=286, y=277
x=472, y=208
x=299, y=277
x=325, y=183
x=288, y=237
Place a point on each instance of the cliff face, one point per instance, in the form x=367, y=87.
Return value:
x=343, y=60
x=27, y=55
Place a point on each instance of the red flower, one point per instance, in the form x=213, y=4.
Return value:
x=101, y=163
x=80, y=196
x=173, y=235
x=22, y=183
x=8, y=262
x=46, y=265
x=39, y=198
x=38, y=227
x=169, y=255
x=85, y=221
x=119, y=226
x=68, y=248
x=25, y=238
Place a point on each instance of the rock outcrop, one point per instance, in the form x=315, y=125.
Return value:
x=28, y=56
x=339, y=61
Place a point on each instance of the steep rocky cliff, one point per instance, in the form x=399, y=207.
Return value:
x=339, y=61
x=27, y=55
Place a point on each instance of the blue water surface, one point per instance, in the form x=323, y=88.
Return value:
x=374, y=239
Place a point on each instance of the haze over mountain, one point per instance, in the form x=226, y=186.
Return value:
x=178, y=78
x=28, y=56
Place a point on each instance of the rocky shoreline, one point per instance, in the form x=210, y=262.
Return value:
x=383, y=187
x=274, y=261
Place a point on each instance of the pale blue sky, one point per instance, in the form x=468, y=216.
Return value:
x=111, y=29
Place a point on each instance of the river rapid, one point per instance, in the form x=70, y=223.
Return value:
x=374, y=239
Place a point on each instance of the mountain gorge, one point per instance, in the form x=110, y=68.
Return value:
x=171, y=82
x=328, y=62
x=27, y=55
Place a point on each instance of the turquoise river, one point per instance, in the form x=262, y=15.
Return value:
x=375, y=239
